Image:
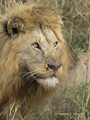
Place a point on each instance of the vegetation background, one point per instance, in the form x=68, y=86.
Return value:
x=76, y=18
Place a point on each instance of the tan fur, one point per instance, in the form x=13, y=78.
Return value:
x=13, y=91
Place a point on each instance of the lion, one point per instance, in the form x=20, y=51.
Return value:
x=34, y=58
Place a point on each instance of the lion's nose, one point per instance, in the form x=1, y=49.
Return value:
x=53, y=63
x=53, y=66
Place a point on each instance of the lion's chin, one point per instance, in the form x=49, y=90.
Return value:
x=50, y=82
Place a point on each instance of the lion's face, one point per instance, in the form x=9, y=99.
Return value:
x=34, y=46
x=41, y=52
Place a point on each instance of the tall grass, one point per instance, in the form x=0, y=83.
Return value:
x=71, y=104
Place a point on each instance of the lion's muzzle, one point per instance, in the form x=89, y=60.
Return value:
x=53, y=64
x=54, y=67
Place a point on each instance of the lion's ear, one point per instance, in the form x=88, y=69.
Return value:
x=14, y=26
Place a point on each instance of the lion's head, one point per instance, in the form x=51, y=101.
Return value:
x=32, y=43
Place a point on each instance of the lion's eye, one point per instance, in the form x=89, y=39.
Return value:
x=55, y=44
x=36, y=45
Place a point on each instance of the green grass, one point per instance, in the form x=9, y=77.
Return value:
x=71, y=104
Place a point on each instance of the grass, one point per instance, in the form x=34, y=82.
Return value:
x=71, y=104
x=76, y=18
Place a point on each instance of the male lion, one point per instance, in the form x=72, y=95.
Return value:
x=34, y=58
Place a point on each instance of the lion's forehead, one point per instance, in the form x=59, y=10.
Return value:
x=50, y=35
x=46, y=36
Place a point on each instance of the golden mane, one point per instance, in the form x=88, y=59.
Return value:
x=30, y=16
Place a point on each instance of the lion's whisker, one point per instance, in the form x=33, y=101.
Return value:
x=32, y=74
x=31, y=81
x=29, y=73
x=38, y=70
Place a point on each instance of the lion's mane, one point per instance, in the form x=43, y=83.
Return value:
x=12, y=89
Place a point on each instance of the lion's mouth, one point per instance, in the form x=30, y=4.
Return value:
x=42, y=77
x=49, y=82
